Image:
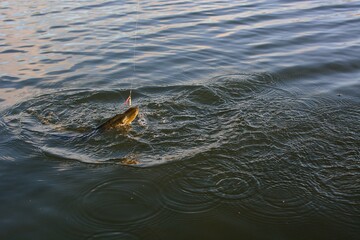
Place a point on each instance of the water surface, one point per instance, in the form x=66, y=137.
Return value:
x=248, y=127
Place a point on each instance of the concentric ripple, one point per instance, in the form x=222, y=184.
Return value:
x=113, y=236
x=119, y=202
x=234, y=185
x=339, y=189
x=278, y=204
x=285, y=197
x=184, y=193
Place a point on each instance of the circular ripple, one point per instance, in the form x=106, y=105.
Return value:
x=340, y=192
x=281, y=203
x=113, y=236
x=234, y=185
x=181, y=199
x=284, y=197
x=188, y=191
x=120, y=202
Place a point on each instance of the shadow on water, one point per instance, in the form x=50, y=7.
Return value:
x=242, y=140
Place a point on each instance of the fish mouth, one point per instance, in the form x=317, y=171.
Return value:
x=121, y=120
x=130, y=115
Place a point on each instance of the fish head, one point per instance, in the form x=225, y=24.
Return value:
x=120, y=121
x=130, y=115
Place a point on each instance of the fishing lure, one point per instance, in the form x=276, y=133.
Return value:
x=128, y=100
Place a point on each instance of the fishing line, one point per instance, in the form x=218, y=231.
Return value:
x=128, y=100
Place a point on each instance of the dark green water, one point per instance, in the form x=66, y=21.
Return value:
x=248, y=127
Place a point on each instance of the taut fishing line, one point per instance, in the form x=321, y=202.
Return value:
x=128, y=100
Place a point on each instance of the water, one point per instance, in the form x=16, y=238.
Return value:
x=248, y=128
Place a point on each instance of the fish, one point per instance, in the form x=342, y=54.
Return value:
x=121, y=120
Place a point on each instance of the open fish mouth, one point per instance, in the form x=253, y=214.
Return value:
x=120, y=120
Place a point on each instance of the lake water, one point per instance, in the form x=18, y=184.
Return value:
x=248, y=126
